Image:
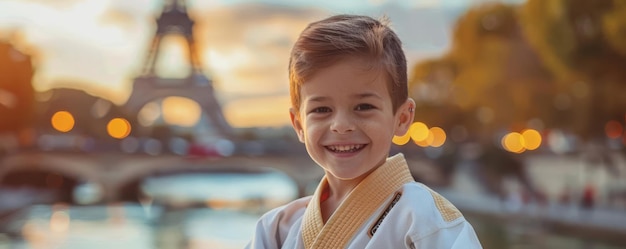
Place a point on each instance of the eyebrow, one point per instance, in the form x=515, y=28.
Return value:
x=367, y=95
x=317, y=99
x=357, y=96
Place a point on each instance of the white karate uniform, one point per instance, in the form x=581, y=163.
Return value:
x=409, y=215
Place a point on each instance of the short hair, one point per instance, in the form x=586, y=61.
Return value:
x=325, y=42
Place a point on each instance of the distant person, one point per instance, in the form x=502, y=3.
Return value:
x=348, y=85
x=588, y=197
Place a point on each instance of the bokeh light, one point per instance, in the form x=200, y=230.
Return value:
x=402, y=140
x=59, y=221
x=62, y=121
x=613, y=129
x=531, y=139
x=427, y=141
x=439, y=136
x=422, y=136
x=513, y=142
x=419, y=131
x=118, y=128
x=149, y=114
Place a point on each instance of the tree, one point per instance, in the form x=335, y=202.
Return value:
x=491, y=79
x=582, y=43
x=558, y=61
x=16, y=90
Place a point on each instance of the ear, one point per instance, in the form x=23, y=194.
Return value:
x=296, y=124
x=404, y=117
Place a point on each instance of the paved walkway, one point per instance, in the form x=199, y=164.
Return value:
x=605, y=219
x=551, y=174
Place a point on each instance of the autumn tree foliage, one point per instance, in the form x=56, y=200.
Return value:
x=582, y=43
x=548, y=64
x=16, y=90
x=491, y=79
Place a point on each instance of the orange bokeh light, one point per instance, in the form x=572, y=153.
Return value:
x=419, y=131
x=427, y=141
x=118, y=128
x=62, y=121
x=439, y=136
x=513, y=142
x=531, y=139
x=402, y=140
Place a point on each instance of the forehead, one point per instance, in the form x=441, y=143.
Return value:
x=347, y=76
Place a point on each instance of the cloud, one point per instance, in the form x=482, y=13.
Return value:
x=250, y=43
x=246, y=51
x=264, y=111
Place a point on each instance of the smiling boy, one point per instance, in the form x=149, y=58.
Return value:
x=348, y=86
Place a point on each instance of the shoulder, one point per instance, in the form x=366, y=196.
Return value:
x=429, y=208
x=273, y=228
x=435, y=222
x=286, y=214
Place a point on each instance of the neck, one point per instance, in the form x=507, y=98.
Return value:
x=340, y=188
x=337, y=190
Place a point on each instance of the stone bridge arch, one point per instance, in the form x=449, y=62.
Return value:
x=128, y=178
x=38, y=170
x=116, y=174
x=76, y=168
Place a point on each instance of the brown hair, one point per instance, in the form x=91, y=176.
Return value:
x=327, y=41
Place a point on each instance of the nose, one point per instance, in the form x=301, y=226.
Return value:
x=342, y=123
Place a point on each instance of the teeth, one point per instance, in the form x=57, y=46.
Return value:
x=345, y=148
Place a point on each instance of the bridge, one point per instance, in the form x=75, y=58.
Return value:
x=119, y=174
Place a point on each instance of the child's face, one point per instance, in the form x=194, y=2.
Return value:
x=346, y=118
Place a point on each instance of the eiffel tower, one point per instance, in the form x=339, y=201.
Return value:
x=147, y=87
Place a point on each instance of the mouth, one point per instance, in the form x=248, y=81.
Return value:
x=348, y=148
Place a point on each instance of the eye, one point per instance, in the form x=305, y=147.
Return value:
x=364, y=107
x=320, y=110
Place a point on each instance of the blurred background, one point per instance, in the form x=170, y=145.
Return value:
x=164, y=123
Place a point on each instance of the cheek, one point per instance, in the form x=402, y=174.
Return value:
x=312, y=130
x=318, y=130
x=380, y=129
x=376, y=123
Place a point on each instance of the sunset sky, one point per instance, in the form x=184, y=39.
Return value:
x=100, y=45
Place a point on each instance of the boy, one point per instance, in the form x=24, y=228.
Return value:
x=348, y=88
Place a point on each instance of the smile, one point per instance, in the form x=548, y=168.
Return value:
x=345, y=148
